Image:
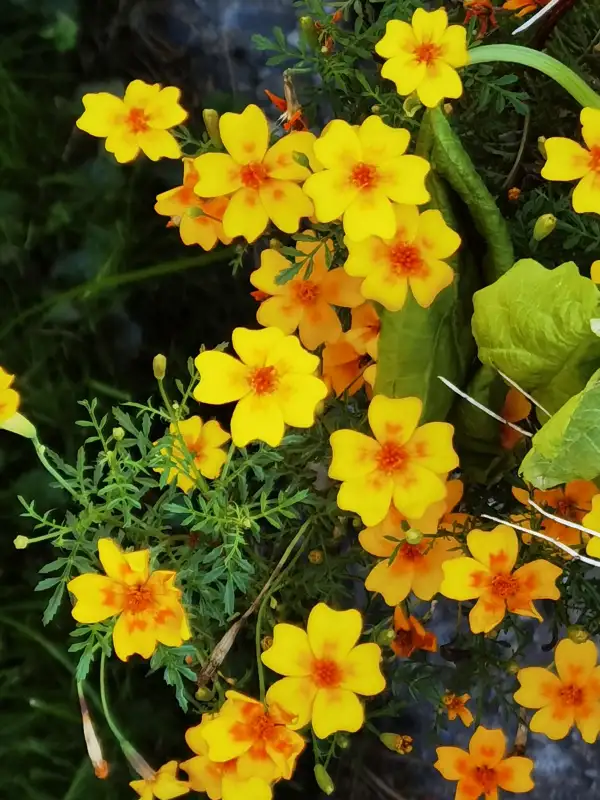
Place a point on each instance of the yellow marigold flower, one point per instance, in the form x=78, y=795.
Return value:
x=163, y=785
x=406, y=567
x=221, y=780
x=489, y=577
x=263, y=182
x=256, y=736
x=199, y=221
x=305, y=303
x=595, y=271
x=570, y=502
x=484, y=769
x=325, y=669
x=273, y=381
x=403, y=463
x=203, y=441
x=365, y=168
x=424, y=56
x=456, y=706
x=9, y=397
x=139, y=121
x=364, y=330
x=524, y=7
x=592, y=520
x=413, y=257
x=569, y=161
x=343, y=367
x=572, y=697
x=147, y=603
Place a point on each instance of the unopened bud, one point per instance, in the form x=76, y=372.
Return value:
x=203, y=694
x=323, y=779
x=541, y=143
x=266, y=642
x=376, y=109
x=309, y=31
x=397, y=742
x=413, y=536
x=189, y=660
x=20, y=542
x=338, y=16
x=544, y=226
x=159, y=366
x=315, y=556
x=118, y=434
x=577, y=634
x=386, y=637
x=342, y=741
x=273, y=602
x=512, y=667
x=275, y=244
x=211, y=121
x=514, y=193
x=448, y=109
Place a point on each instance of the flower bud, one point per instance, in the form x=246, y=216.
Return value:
x=266, y=642
x=512, y=667
x=315, y=556
x=448, y=109
x=275, y=244
x=541, y=143
x=273, y=602
x=544, y=226
x=386, y=637
x=118, y=434
x=323, y=779
x=204, y=693
x=20, y=542
x=413, y=536
x=376, y=109
x=309, y=31
x=398, y=743
x=577, y=634
x=211, y=121
x=159, y=366
x=342, y=741
x=514, y=193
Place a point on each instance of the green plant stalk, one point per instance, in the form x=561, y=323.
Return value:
x=40, y=449
x=564, y=76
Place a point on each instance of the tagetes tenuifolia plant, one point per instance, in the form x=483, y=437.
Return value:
x=197, y=449
x=164, y=784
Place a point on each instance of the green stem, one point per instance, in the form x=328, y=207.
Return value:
x=514, y=54
x=107, y=715
x=40, y=449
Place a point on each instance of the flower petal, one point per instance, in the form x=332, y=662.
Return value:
x=399, y=38
x=245, y=215
x=98, y=598
x=319, y=324
x=415, y=489
x=332, y=634
x=538, y=687
x=257, y=418
x=339, y=289
x=199, y=230
x=361, y=670
x=255, y=347
x=157, y=144
x=391, y=581
x=285, y=203
x=245, y=135
x=376, y=540
x=164, y=111
x=338, y=147
x=223, y=743
x=537, y=580
x=565, y=160
x=296, y=696
x=369, y=496
x=394, y=419
x=223, y=378
x=280, y=161
x=380, y=142
x=354, y=455
x=133, y=633
x=280, y=312
x=487, y=612
x=290, y=653
x=103, y=112
x=464, y=579
x=331, y=192
x=435, y=276
x=369, y=214
x=440, y=81
x=435, y=237
x=454, y=46
x=586, y=197
x=298, y=397
x=218, y=174
x=590, y=121
x=123, y=145
x=553, y=721
x=575, y=662
x=429, y=26
x=453, y=763
x=588, y=721
x=431, y=447
x=290, y=358
x=405, y=71
x=487, y=747
x=336, y=710
x=497, y=550
x=251, y=789
x=405, y=180
x=514, y=774
x=139, y=94
x=264, y=278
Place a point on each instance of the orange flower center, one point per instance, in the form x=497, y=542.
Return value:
x=571, y=695
x=410, y=552
x=406, y=260
x=263, y=380
x=486, y=778
x=364, y=176
x=326, y=673
x=427, y=52
x=566, y=509
x=137, y=120
x=453, y=703
x=306, y=292
x=391, y=458
x=196, y=448
x=595, y=158
x=138, y=598
x=253, y=175
x=505, y=585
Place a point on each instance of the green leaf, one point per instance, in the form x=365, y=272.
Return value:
x=54, y=603
x=534, y=325
x=566, y=448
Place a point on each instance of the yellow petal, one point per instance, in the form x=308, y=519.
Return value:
x=378, y=539
x=464, y=579
x=405, y=71
x=405, y=179
x=290, y=653
x=336, y=710
x=251, y=789
x=213, y=435
x=138, y=562
x=361, y=670
x=264, y=278
x=487, y=746
x=245, y=215
x=369, y=214
x=223, y=378
x=112, y=559
x=123, y=145
x=487, y=613
x=538, y=579
x=204, y=776
x=440, y=81
x=380, y=142
x=225, y=738
x=296, y=696
x=426, y=286
x=452, y=763
x=429, y=26
x=298, y=397
x=394, y=419
x=370, y=497
x=588, y=722
x=254, y=347
x=454, y=46
x=393, y=584
x=285, y=203
x=319, y=324
x=103, y=112
x=98, y=598
x=586, y=197
x=166, y=786
x=514, y=774
x=340, y=289
x=338, y=147
x=399, y=38
x=354, y=455
x=139, y=94
x=575, y=662
x=164, y=110
x=431, y=447
x=415, y=489
x=538, y=687
x=497, y=550
x=386, y=288
x=566, y=160
x=245, y=135
x=129, y=637
x=280, y=312
x=361, y=255
x=290, y=358
x=257, y=418
x=331, y=193
x=218, y=174
x=553, y=721
x=590, y=121
x=332, y=634
x=434, y=237
x=280, y=161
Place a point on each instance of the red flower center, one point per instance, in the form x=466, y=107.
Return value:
x=364, y=176
x=571, y=695
x=406, y=260
x=505, y=585
x=566, y=509
x=453, y=703
x=326, y=673
x=427, y=52
x=486, y=778
x=306, y=292
x=263, y=380
x=137, y=120
x=253, y=175
x=391, y=458
x=411, y=552
x=138, y=598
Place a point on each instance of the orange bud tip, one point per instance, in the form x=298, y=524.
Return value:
x=101, y=770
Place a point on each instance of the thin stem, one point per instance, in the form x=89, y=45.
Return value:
x=40, y=449
x=107, y=715
x=514, y=54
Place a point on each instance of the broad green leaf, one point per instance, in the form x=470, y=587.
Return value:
x=567, y=447
x=533, y=324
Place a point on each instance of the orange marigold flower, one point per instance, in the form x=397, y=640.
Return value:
x=516, y=407
x=364, y=330
x=306, y=301
x=365, y=169
x=456, y=706
x=413, y=257
x=484, y=770
x=524, y=7
x=256, y=736
x=273, y=382
x=148, y=604
x=592, y=520
x=202, y=455
x=227, y=780
x=423, y=56
x=483, y=12
x=403, y=462
x=489, y=577
x=263, y=181
x=569, y=161
x=325, y=670
x=163, y=784
x=343, y=367
x=410, y=635
x=199, y=221
x=139, y=121
x=570, y=502
x=572, y=697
